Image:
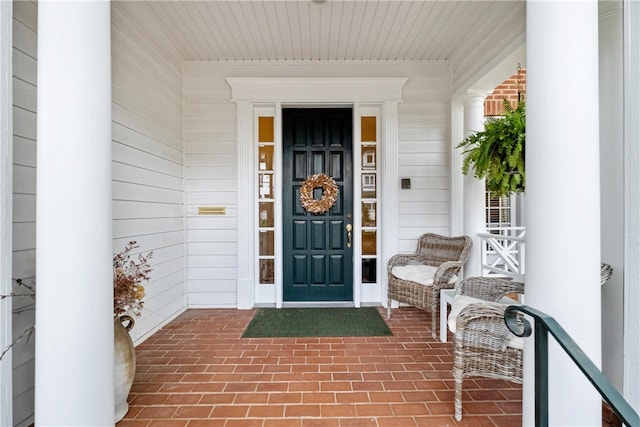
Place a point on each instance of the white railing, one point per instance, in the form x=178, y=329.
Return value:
x=503, y=252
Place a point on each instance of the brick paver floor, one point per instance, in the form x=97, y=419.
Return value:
x=198, y=371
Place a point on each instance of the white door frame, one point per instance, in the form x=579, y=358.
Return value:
x=250, y=92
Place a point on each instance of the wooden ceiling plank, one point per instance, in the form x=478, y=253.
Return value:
x=265, y=15
x=239, y=29
x=461, y=27
x=334, y=26
x=218, y=30
x=380, y=28
x=337, y=30
x=365, y=22
x=499, y=30
x=313, y=15
x=283, y=29
x=300, y=29
x=396, y=13
x=214, y=49
x=353, y=23
x=427, y=31
x=251, y=20
x=185, y=26
x=409, y=29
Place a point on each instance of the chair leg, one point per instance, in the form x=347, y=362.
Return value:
x=434, y=324
x=389, y=309
x=458, y=373
x=457, y=404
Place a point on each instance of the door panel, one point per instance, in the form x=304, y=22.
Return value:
x=318, y=265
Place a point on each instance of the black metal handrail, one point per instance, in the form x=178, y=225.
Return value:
x=545, y=324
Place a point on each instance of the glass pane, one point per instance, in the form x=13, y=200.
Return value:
x=265, y=162
x=368, y=242
x=266, y=242
x=266, y=271
x=369, y=270
x=368, y=127
x=368, y=157
x=368, y=214
x=265, y=129
x=266, y=214
x=368, y=185
x=266, y=186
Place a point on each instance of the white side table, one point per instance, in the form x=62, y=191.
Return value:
x=446, y=296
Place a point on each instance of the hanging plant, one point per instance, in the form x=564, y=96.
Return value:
x=497, y=153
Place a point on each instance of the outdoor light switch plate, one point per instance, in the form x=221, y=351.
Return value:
x=405, y=183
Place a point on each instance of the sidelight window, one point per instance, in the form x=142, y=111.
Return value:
x=266, y=199
x=369, y=196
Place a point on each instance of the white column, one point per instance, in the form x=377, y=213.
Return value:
x=474, y=189
x=563, y=199
x=246, y=199
x=612, y=186
x=74, y=310
x=6, y=192
x=456, y=222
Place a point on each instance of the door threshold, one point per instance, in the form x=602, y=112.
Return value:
x=317, y=304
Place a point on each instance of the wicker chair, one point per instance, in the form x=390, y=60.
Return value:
x=446, y=254
x=482, y=344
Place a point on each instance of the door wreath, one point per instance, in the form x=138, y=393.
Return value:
x=329, y=193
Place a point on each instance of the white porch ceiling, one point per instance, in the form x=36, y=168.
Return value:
x=461, y=32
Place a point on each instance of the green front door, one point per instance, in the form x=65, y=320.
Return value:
x=317, y=249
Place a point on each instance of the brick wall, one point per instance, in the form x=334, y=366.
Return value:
x=493, y=105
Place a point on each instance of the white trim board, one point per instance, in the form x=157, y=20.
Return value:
x=249, y=91
x=631, y=369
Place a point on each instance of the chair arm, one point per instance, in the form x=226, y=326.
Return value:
x=444, y=272
x=482, y=325
x=489, y=288
x=404, y=259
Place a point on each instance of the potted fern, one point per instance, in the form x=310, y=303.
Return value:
x=497, y=152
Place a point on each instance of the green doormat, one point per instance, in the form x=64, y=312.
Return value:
x=317, y=322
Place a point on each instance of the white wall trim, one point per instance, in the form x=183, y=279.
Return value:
x=6, y=193
x=389, y=199
x=316, y=90
x=249, y=90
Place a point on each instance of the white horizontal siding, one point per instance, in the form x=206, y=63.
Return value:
x=147, y=168
x=24, y=151
x=24, y=205
x=122, y=228
x=423, y=157
x=210, y=180
x=211, y=162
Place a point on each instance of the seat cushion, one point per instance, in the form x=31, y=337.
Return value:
x=422, y=274
x=460, y=302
